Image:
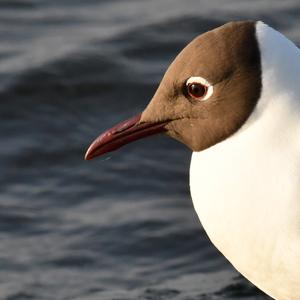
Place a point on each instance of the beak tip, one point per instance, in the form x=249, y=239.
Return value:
x=89, y=154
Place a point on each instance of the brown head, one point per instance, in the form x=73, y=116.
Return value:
x=206, y=95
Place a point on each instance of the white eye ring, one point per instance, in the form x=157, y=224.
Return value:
x=204, y=82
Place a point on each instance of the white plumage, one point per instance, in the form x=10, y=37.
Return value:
x=246, y=189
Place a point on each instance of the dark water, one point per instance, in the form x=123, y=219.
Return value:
x=122, y=227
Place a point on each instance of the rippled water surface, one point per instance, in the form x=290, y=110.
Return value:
x=122, y=227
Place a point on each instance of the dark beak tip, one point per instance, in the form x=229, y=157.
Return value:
x=87, y=157
x=90, y=153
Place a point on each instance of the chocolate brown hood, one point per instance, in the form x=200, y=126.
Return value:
x=228, y=57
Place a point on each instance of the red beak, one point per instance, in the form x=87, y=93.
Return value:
x=122, y=134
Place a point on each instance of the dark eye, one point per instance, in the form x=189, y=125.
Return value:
x=196, y=90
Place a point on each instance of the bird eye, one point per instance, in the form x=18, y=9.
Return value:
x=198, y=88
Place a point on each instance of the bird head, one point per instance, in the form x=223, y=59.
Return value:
x=205, y=96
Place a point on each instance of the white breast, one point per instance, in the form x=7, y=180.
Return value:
x=246, y=189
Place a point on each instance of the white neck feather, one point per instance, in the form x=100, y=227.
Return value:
x=246, y=189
